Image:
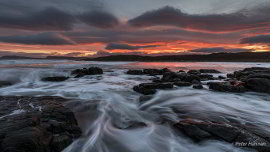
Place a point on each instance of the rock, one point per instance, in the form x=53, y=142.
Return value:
x=145, y=98
x=43, y=124
x=252, y=72
x=258, y=84
x=181, y=71
x=221, y=77
x=90, y=71
x=155, y=71
x=200, y=131
x=205, y=77
x=182, y=84
x=175, y=77
x=150, y=88
x=194, y=72
x=209, y=71
x=197, y=86
x=135, y=72
x=151, y=72
x=227, y=87
x=5, y=83
x=55, y=79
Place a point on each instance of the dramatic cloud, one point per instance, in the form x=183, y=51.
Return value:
x=48, y=19
x=262, y=39
x=116, y=46
x=220, y=50
x=99, y=19
x=38, y=39
x=218, y=22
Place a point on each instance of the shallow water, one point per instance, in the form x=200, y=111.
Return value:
x=108, y=109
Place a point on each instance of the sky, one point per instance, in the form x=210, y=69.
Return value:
x=92, y=28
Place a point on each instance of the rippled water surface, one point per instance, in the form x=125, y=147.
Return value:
x=113, y=119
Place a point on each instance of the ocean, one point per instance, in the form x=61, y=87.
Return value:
x=106, y=105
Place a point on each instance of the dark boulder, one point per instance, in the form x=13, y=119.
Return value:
x=55, y=79
x=209, y=71
x=5, y=83
x=43, y=125
x=175, y=77
x=258, y=84
x=150, y=88
x=194, y=72
x=155, y=71
x=237, y=87
x=151, y=72
x=135, y=72
x=205, y=77
x=90, y=71
x=221, y=77
x=182, y=84
x=197, y=86
x=200, y=131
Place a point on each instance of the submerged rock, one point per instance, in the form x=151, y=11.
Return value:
x=152, y=72
x=209, y=71
x=227, y=87
x=90, y=71
x=182, y=84
x=150, y=88
x=36, y=124
x=175, y=77
x=5, y=83
x=55, y=79
x=197, y=86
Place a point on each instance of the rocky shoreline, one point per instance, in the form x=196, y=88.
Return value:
x=44, y=124
x=36, y=124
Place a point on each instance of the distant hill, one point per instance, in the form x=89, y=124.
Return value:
x=215, y=57
x=64, y=58
x=13, y=57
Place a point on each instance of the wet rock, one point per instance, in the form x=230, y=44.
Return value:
x=55, y=79
x=151, y=72
x=200, y=131
x=197, y=86
x=135, y=72
x=145, y=98
x=227, y=87
x=253, y=72
x=182, y=84
x=194, y=72
x=258, y=84
x=155, y=71
x=43, y=124
x=90, y=71
x=221, y=77
x=181, y=71
x=5, y=83
x=205, y=77
x=150, y=88
x=209, y=71
x=175, y=77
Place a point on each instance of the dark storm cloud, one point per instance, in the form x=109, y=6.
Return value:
x=99, y=19
x=115, y=46
x=244, y=19
x=48, y=19
x=38, y=39
x=220, y=50
x=260, y=39
x=149, y=36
